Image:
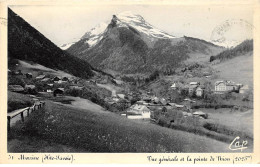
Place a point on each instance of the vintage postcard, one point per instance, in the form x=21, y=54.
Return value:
x=129, y=82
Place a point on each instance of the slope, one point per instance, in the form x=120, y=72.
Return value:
x=241, y=71
x=26, y=43
x=88, y=131
x=241, y=49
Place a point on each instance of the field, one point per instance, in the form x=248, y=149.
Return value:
x=236, y=121
x=82, y=130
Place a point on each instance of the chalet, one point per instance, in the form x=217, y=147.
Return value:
x=223, y=86
x=30, y=87
x=56, y=78
x=200, y=114
x=45, y=80
x=163, y=101
x=15, y=88
x=65, y=79
x=193, y=86
x=244, y=89
x=28, y=75
x=76, y=87
x=48, y=88
x=199, y=91
x=60, y=81
x=40, y=77
x=141, y=110
x=122, y=96
x=50, y=85
x=174, y=86
x=58, y=91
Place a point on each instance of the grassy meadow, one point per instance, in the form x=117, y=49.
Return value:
x=81, y=130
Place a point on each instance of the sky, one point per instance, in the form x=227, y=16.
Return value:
x=65, y=24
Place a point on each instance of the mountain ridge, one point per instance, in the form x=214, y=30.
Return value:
x=27, y=43
x=131, y=45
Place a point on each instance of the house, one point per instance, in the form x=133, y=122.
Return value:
x=60, y=81
x=56, y=78
x=193, y=86
x=50, y=85
x=58, y=91
x=122, y=96
x=199, y=92
x=139, y=110
x=155, y=100
x=65, y=79
x=174, y=86
x=40, y=77
x=163, y=101
x=15, y=88
x=45, y=80
x=200, y=114
x=244, y=89
x=28, y=75
x=223, y=86
x=194, y=83
x=76, y=87
x=49, y=91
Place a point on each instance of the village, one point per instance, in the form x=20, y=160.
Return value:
x=140, y=105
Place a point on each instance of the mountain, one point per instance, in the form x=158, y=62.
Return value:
x=240, y=58
x=241, y=49
x=129, y=44
x=26, y=43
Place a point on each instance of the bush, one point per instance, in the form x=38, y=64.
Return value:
x=18, y=101
x=14, y=80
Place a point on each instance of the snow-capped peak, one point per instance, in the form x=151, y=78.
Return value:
x=95, y=34
x=97, y=30
x=124, y=19
x=136, y=21
x=129, y=17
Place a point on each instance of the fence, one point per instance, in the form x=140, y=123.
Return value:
x=13, y=114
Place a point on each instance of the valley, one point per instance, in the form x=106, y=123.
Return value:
x=127, y=86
